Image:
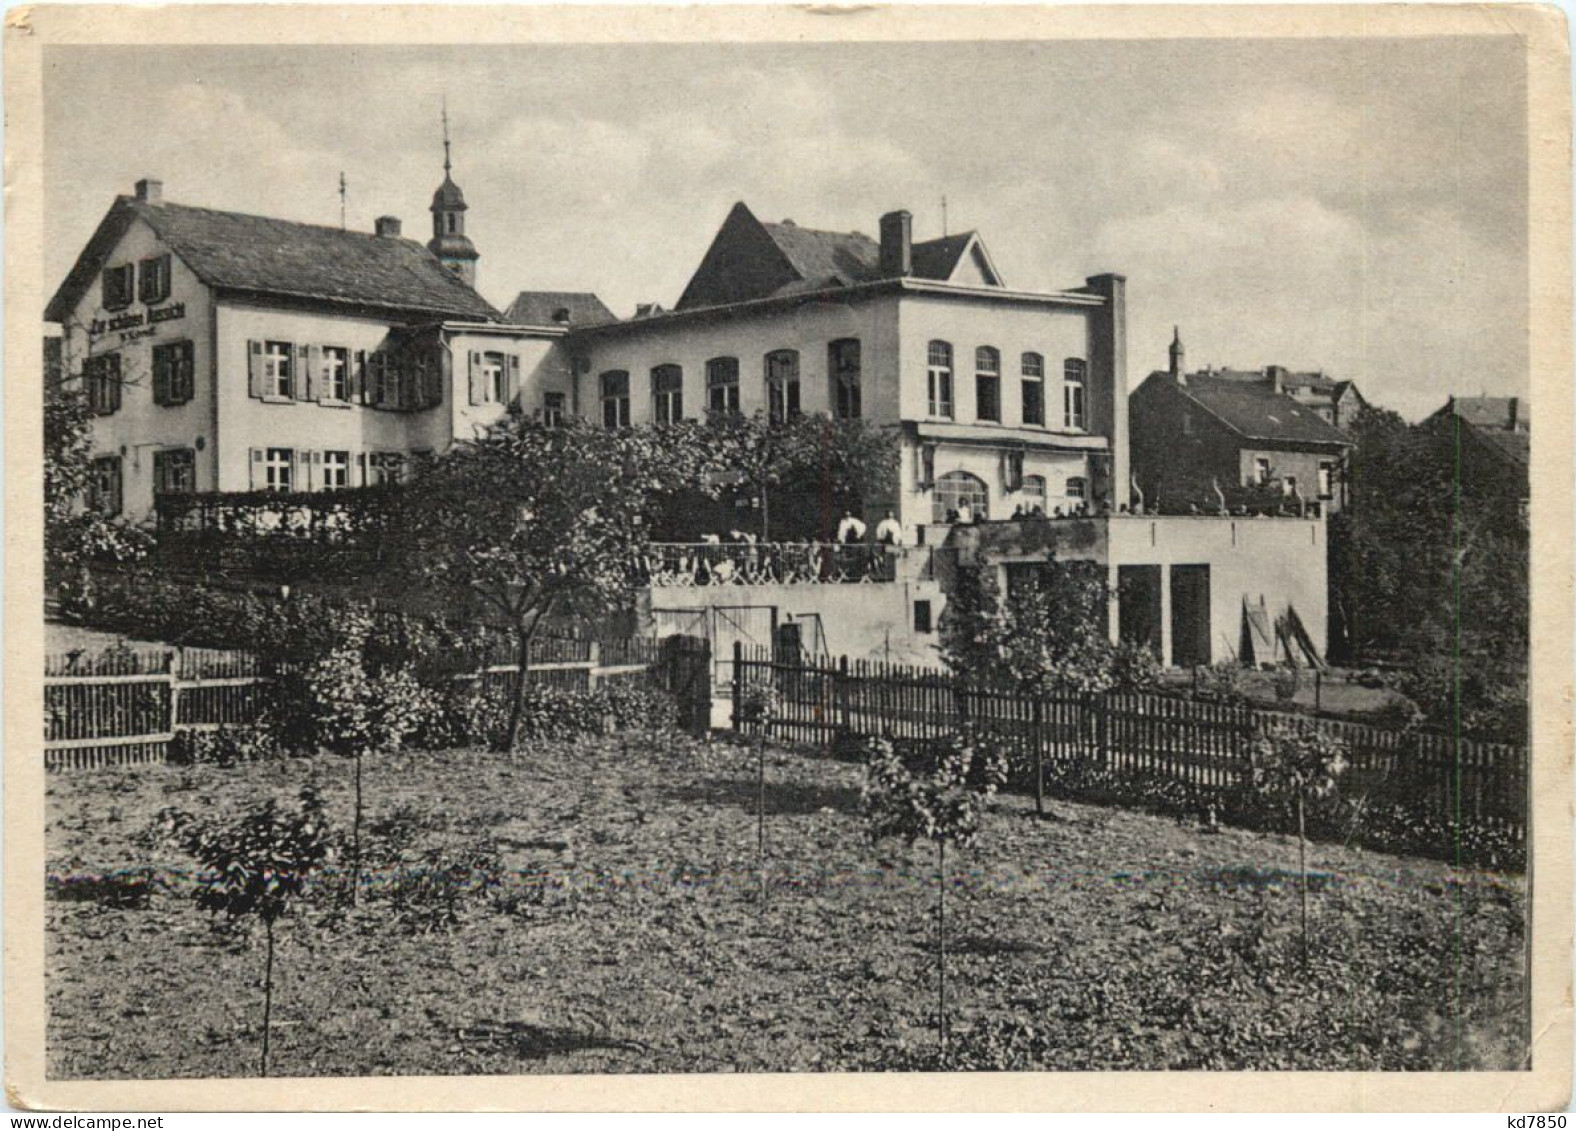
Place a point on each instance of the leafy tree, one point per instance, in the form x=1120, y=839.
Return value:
x=844, y=462
x=533, y=520
x=941, y=796
x=257, y=866
x=1295, y=763
x=1430, y=568
x=74, y=536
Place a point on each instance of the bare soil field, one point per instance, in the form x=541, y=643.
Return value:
x=593, y=906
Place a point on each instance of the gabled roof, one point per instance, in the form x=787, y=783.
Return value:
x=257, y=254
x=1253, y=410
x=1507, y=413
x=749, y=259
x=541, y=308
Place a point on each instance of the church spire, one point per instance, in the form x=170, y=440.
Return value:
x=449, y=241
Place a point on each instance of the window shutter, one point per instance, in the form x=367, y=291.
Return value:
x=301, y=475
x=117, y=496
x=258, y=478
x=161, y=472
x=161, y=376
x=114, y=385
x=302, y=379
x=478, y=395
x=355, y=381
x=254, y=368
x=315, y=385
x=432, y=396
x=361, y=469
x=512, y=387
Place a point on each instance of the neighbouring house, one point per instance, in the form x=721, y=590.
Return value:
x=1493, y=443
x=1198, y=438
x=1002, y=398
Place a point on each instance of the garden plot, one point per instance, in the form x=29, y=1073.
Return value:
x=592, y=906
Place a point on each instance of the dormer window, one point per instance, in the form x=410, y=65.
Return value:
x=118, y=284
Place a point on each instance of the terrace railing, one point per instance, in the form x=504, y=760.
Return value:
x=685, y=564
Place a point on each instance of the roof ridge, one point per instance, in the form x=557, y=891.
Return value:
x=142, y=205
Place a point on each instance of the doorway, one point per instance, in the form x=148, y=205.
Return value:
x=1190, y=630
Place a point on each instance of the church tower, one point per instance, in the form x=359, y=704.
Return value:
x=449, y=241
x=1178, y=357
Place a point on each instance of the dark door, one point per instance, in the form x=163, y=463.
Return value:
x=1190, y=632
x=1138, y=605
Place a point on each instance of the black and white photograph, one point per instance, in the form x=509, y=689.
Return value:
x=740, y=548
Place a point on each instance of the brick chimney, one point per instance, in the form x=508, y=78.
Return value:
x=1515, y=409
x=897, y=245
x=1178, y=357
x=150, y=190
x=387, y=226
x=1277, y=376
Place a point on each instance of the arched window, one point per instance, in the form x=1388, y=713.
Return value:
x=1033, y=388
x=1074, y=394
x=843, y=365
x=1033, y=491
x=782, y=385
x=722, y=385
x=940, y=375
x=667, y=394
x=960, y=496
x=987, y=384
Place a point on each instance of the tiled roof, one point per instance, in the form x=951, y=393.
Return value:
x=1256, y=410
x=235, y=251
x=539, y=308
x=749, y=259
x=937, y=259
x=1516, y=446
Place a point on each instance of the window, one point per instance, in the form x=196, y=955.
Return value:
x=102, y=374
x=387, y=468
x=843, y=363
x=153, y=279
x=987, y=384
x=956, y=491
x=554, y=409
x=493, y=378
x=1289, y=486
x=1074, y=370
x=782, y=385
x=279, y=469
x=1261, y=470
x=174, y=472
x=1076, y=488
x=615, y=399
x=667, y=394
x=722, y=385
x=278, y=368
x=1326, y=479
x=1012, y=469
x=922, y=621
x=1033, y=491
x=104, y=486
x=335, y=374
x=1033, y=389
x=940, y=379
x=336, y=470
x=172, y=373
x=118, y=284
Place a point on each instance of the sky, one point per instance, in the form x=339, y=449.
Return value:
x=1353, y=206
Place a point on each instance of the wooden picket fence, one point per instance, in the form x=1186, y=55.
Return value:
x=124, y=707
x=1202, y=747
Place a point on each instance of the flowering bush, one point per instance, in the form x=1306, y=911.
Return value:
x=759, y=702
